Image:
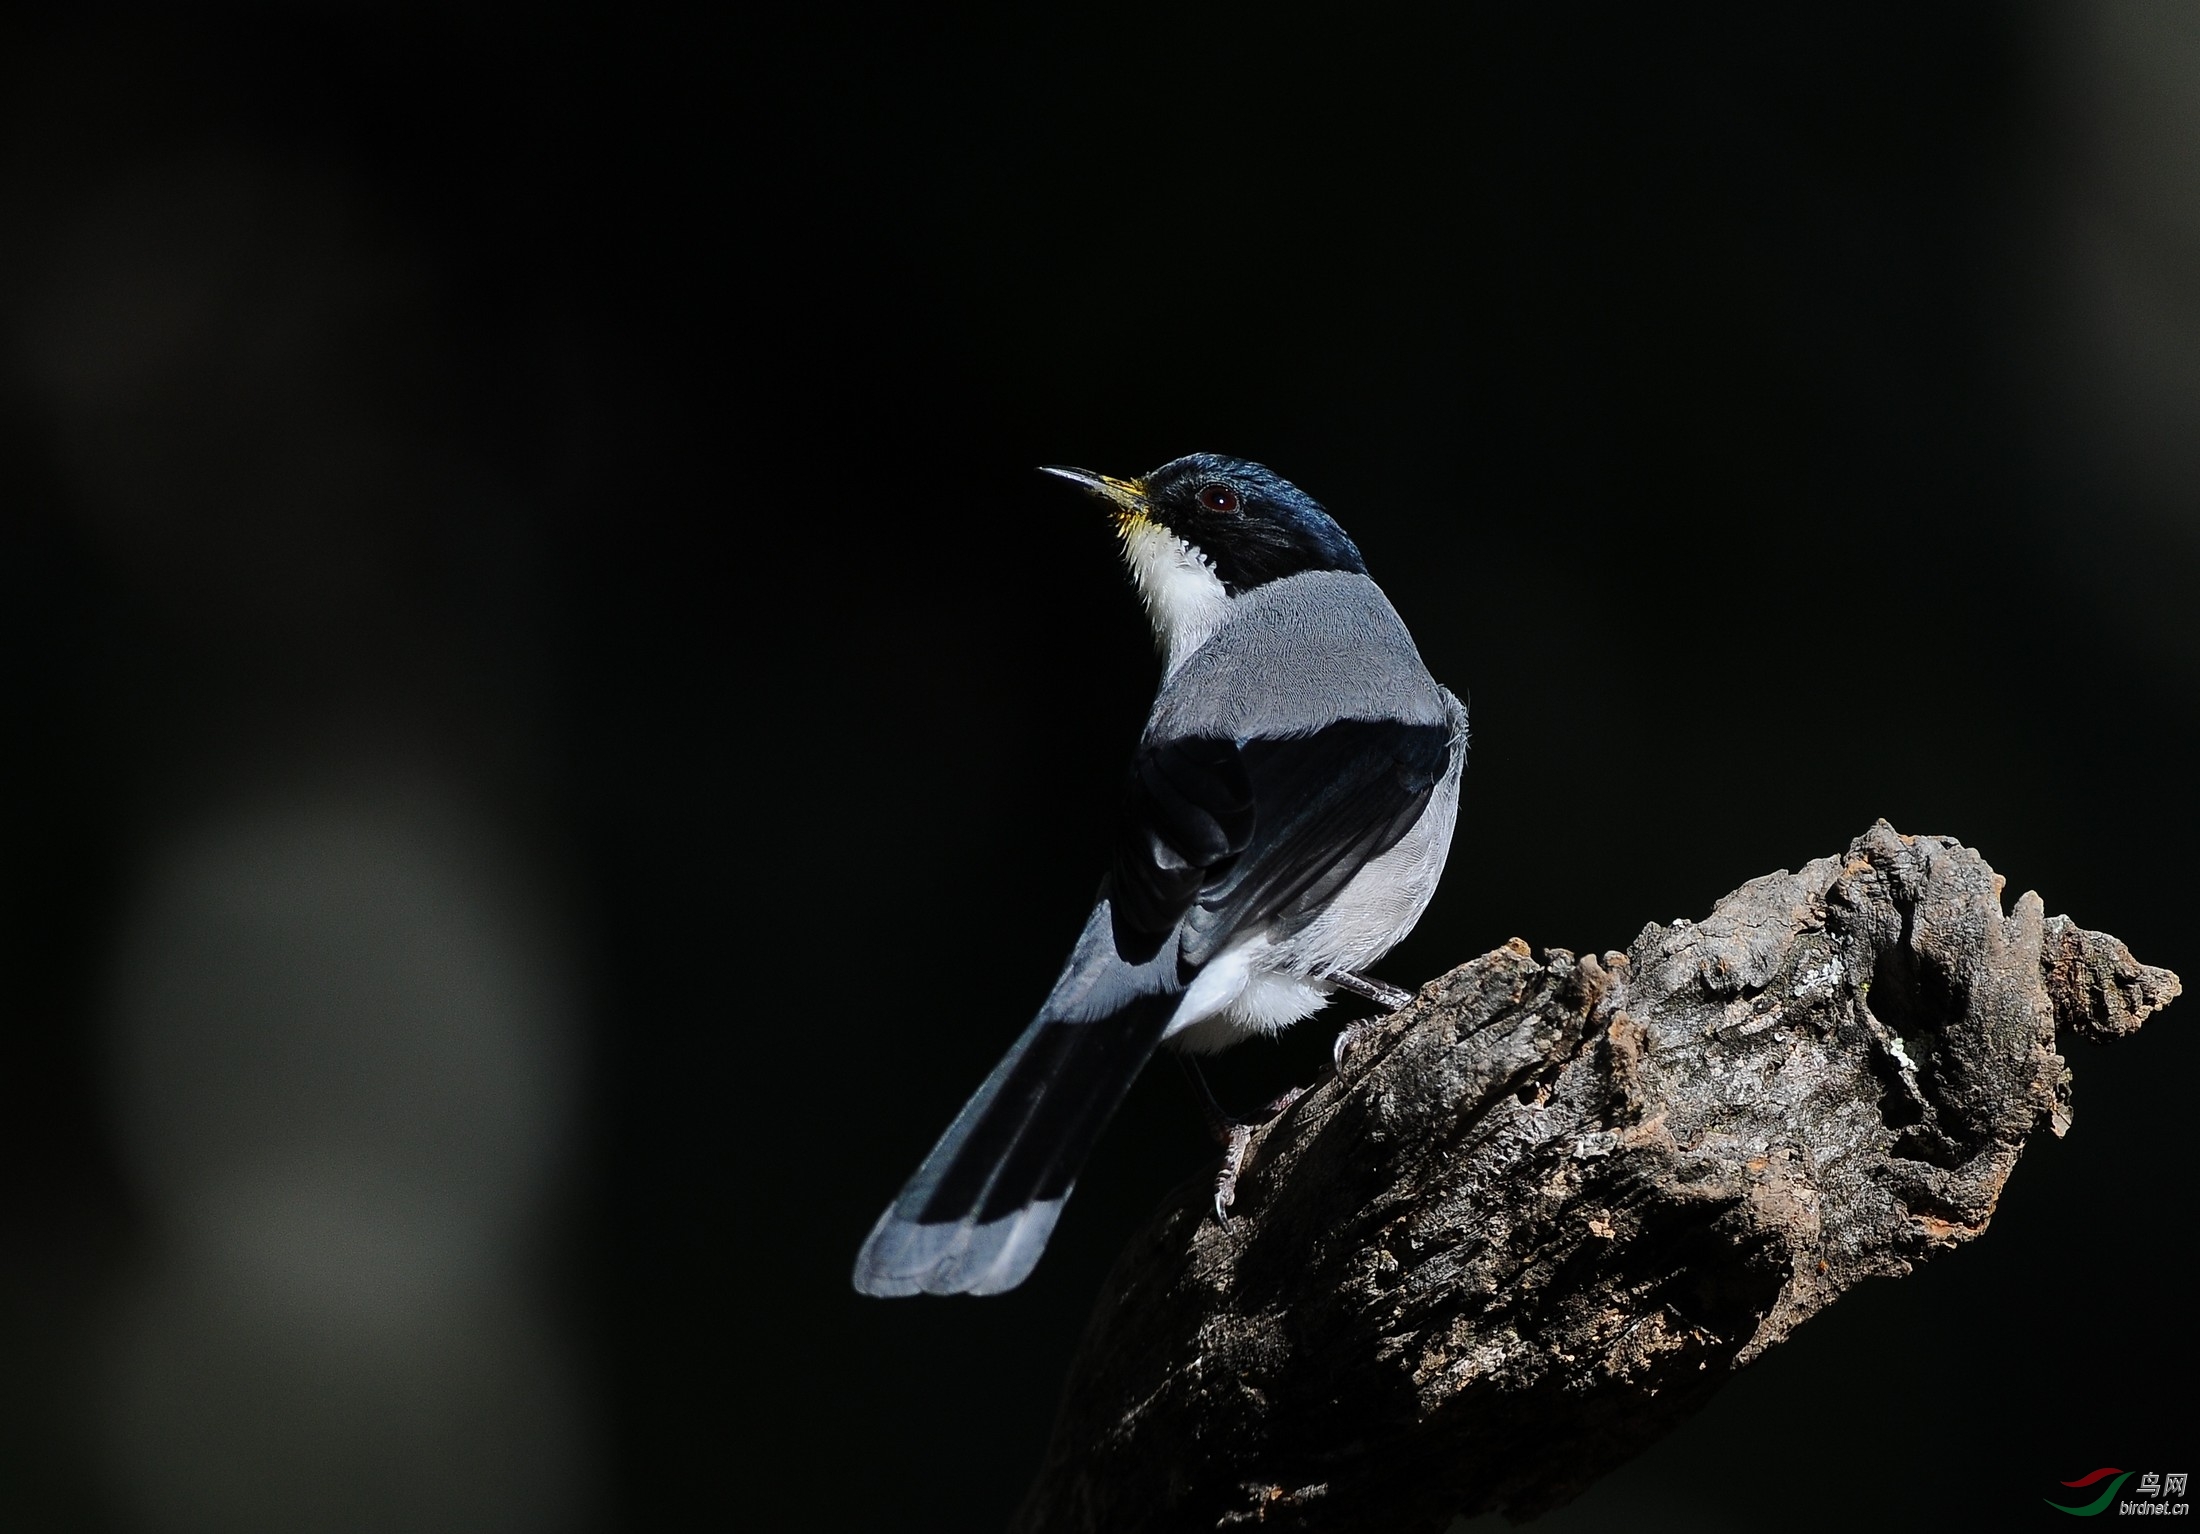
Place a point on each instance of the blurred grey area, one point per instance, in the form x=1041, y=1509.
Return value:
x=2109, y=318
x=339, y=1003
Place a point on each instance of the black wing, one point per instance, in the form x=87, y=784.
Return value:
x=1264, y=828
x=1188, y=814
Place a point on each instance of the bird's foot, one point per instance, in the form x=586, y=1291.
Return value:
x=1237, y=1145
x=1234, y=1146
x=1388, y=997
x=1351, y=1036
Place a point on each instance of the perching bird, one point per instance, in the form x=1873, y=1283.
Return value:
x=1287, y=817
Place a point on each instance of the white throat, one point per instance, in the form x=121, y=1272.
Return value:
x=1185, y=600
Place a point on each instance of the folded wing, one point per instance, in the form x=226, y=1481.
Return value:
x=1224, y=837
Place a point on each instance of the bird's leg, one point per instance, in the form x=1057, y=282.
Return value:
x=1233, y=1134
x=1388, y=997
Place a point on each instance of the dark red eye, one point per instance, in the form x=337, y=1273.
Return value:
x=1218, y=498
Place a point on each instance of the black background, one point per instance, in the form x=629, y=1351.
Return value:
x=1695, y=383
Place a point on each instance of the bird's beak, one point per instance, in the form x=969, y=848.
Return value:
x=1128, y=496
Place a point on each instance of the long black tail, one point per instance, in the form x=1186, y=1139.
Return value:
x=977, y=1214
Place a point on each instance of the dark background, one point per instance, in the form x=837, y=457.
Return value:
x=565, y=488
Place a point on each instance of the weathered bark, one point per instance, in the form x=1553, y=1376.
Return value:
x=1546, y=1210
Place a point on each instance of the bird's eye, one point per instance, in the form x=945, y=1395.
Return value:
x=1218, y=498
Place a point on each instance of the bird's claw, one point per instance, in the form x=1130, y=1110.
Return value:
x=1388, y=997
x=1237, y=1146
x=1351, y=1036
x=1240, y=1140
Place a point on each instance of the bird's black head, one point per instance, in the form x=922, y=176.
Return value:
x=1250, y=524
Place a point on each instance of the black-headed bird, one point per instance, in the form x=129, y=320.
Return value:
x=1287, y=816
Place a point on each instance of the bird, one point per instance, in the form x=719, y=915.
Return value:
x=1286, y=817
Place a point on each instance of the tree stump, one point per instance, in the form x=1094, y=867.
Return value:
x=1542, y=1213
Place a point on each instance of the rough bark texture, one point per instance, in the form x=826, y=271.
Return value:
x=1545, y=1211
